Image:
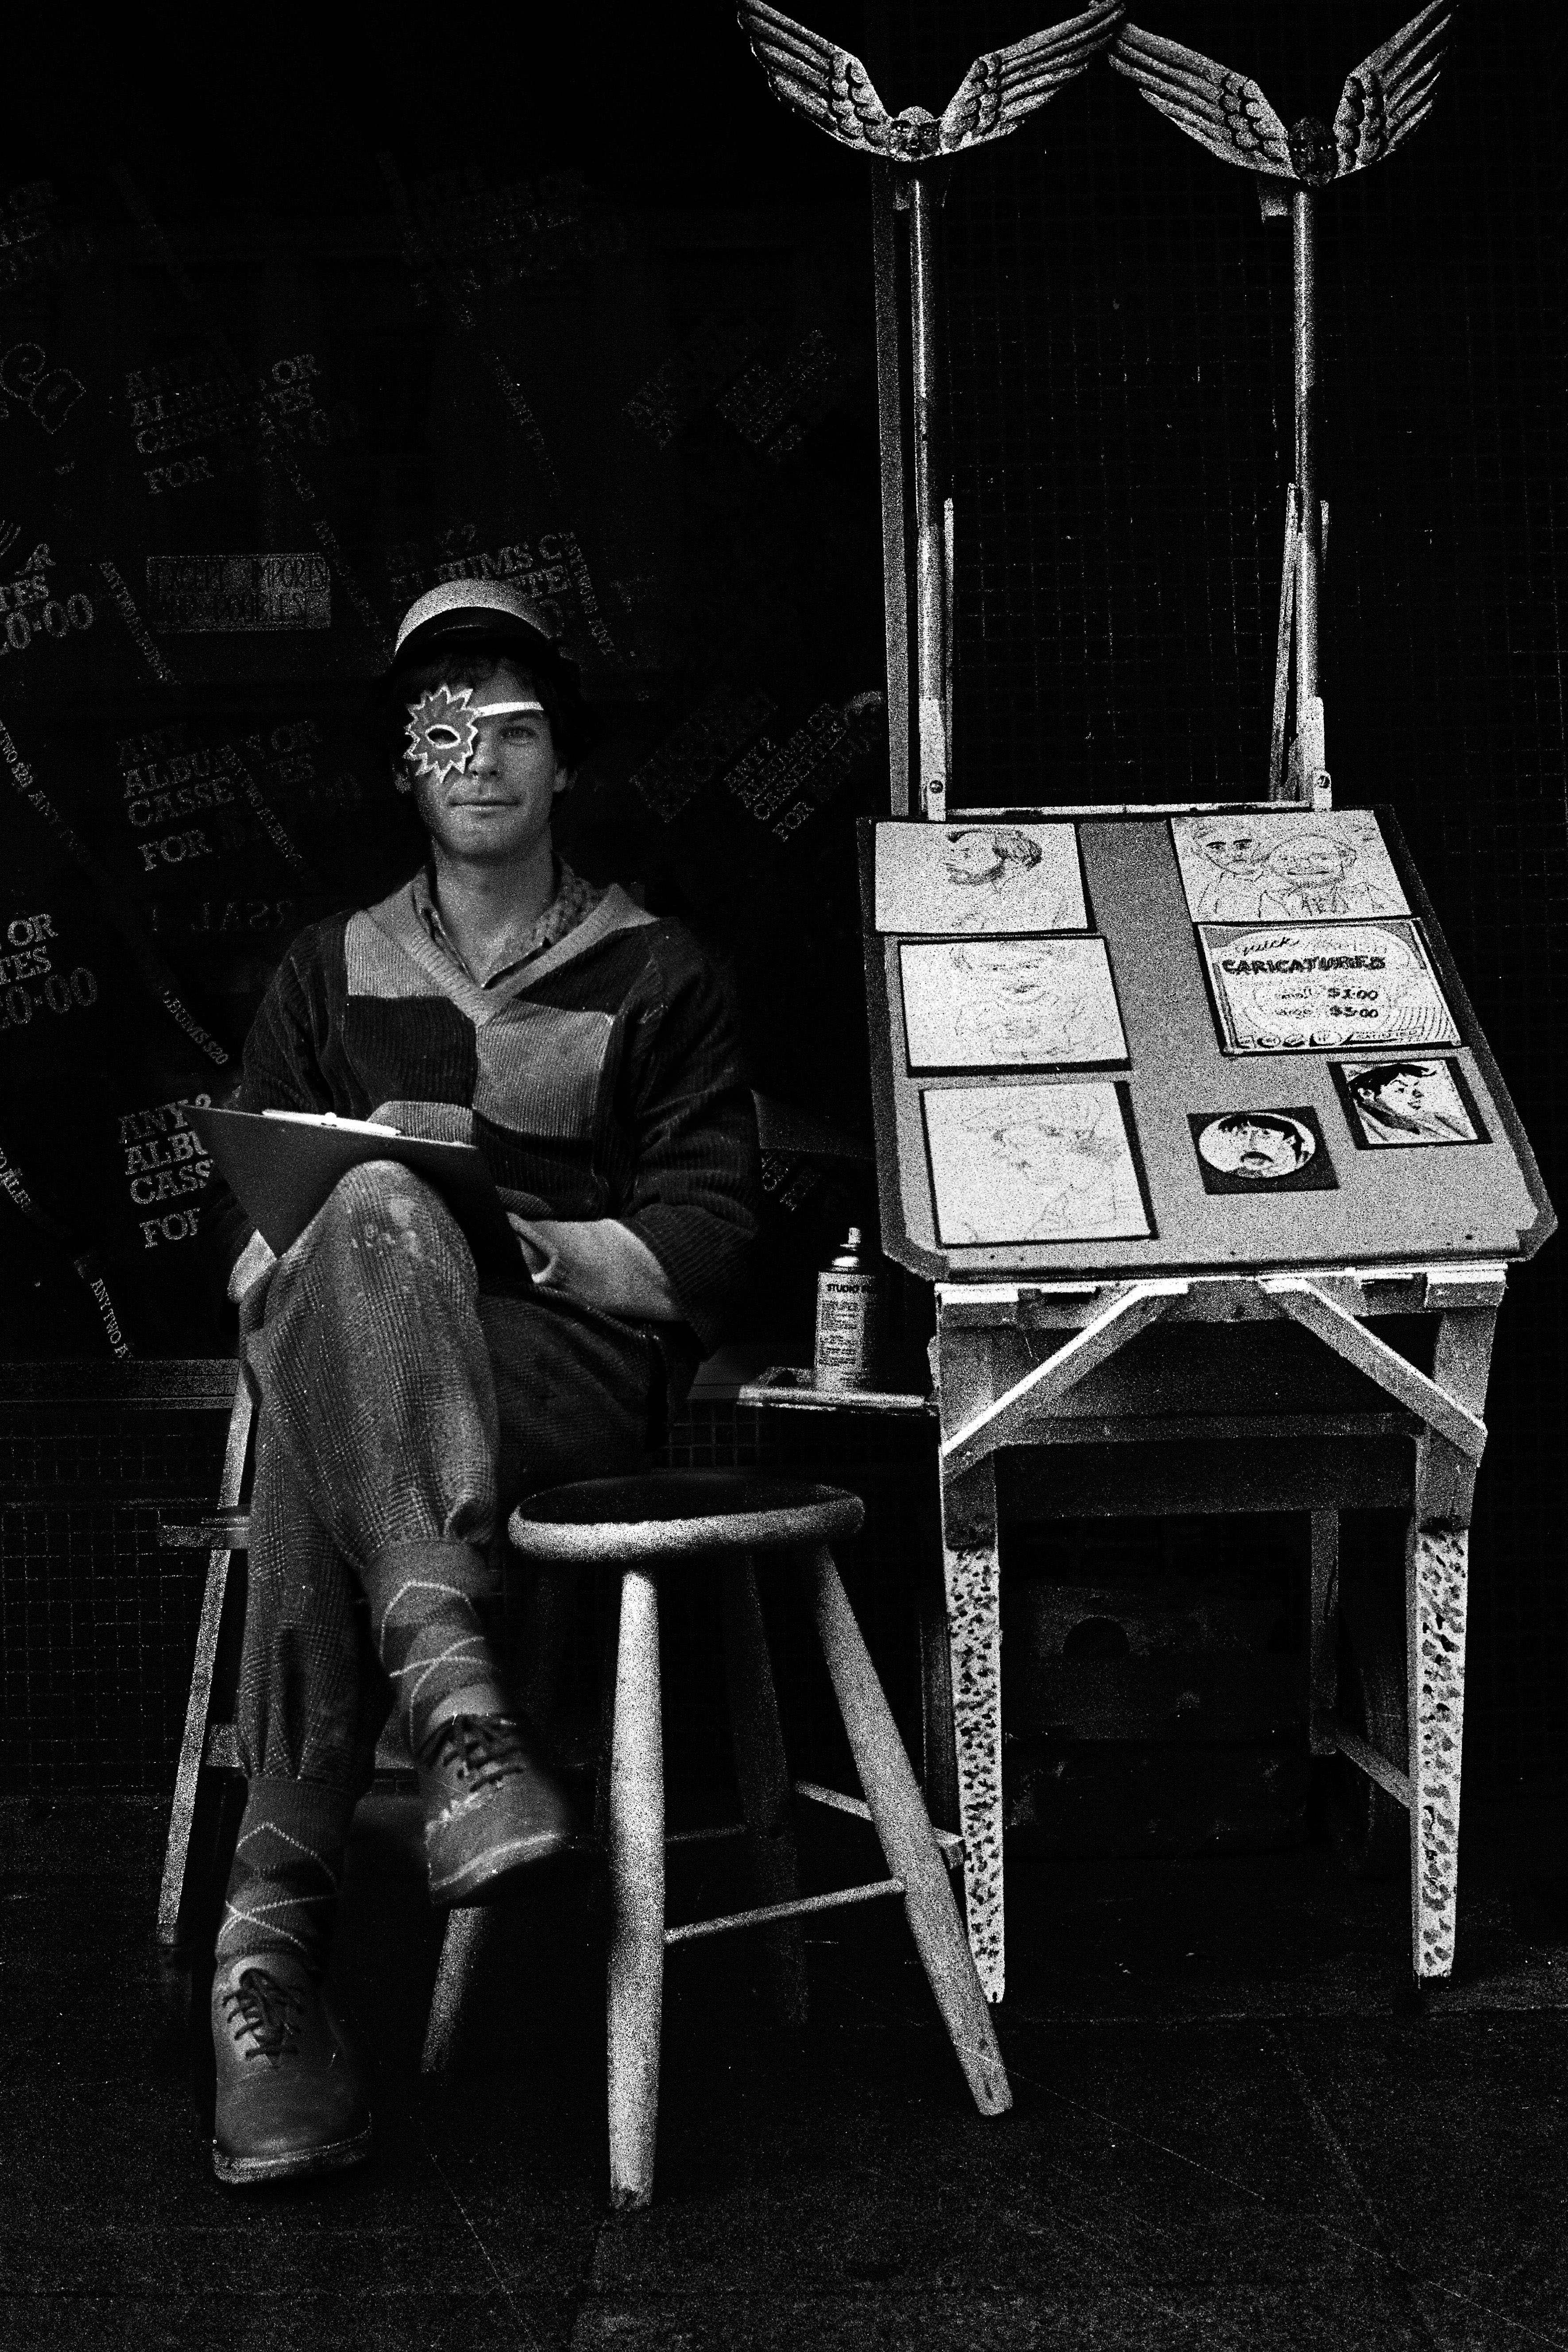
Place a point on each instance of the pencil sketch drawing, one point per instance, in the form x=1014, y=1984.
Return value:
x=1009, y=1004
x=979, y=878
x=1301, y=866
x=1032, y=1164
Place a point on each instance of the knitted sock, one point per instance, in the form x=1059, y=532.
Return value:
x=435, y=1652
x=287, y=1867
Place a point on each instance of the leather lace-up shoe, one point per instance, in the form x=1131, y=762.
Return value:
x=490, y=1811
x=289, y=2100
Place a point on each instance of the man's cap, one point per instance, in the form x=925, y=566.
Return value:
x=473, y=608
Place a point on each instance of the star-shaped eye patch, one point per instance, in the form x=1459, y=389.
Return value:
x=442, y=732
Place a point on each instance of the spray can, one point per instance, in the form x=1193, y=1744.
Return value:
x=846, y=1320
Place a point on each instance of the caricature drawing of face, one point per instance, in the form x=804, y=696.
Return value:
x=1012, y=983
x=986, y=852
x=1258, y=1145
x=1405, y=1088
x=1233, y=848
x=1411, y=1101
x=1312, y=857
x=1058, y=1159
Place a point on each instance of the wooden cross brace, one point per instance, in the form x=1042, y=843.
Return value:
x=1007, y=1421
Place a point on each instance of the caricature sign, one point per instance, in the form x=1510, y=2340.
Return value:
x=1303, y=988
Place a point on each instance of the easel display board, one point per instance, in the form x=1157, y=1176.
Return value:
x=1144, y=1042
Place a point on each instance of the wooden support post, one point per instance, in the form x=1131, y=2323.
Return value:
x=764, y=1778
x=905, y=1834
x=973, y=1583
x=635, y=2003
x=1287, y=637
x=1437, y=1574
x=891, y=413
x=930, y=563
x=1310, y=770
x=1324, y=1633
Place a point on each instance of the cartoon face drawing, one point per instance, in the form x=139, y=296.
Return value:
x=1290, y=866
x=979, y=879
x=1032, y=1164
x=984, y=854
x=1057, y=1158
x=1260, y=1145
x=1312, y=857
x=1234, y=847
x=1410, y=1102
x=1008, y=980
x=1009, y=1001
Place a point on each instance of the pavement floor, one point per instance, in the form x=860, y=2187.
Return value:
x=1233, y=2127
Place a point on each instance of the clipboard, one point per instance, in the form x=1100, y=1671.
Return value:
x=282, y=1165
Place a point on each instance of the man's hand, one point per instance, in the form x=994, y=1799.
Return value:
x=599, y=1261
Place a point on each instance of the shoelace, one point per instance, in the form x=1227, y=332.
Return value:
x=484, y=1749
x=271, y=2013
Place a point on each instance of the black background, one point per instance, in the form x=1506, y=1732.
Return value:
x=573, y=285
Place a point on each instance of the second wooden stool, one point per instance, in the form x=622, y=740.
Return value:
x=654, y=1524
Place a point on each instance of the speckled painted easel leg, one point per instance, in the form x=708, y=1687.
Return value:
x=975, y=1639
x=1437, y=1573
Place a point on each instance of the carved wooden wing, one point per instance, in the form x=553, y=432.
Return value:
x=1223, y=111
x=820, y=80
x=1002, y=87
x=1391, y=91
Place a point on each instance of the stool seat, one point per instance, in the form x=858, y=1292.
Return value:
x=670, y=1515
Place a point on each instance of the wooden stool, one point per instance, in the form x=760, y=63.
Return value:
x=658, y=1521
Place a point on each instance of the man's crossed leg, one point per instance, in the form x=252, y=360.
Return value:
x=402, y=1414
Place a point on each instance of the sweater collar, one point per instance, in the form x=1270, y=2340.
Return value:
x=571, y=900
x=399, y=918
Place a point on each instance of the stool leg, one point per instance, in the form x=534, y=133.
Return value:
x=468, y=1934
x=637, y=1895
x=763, y=1776
x=901, y=1822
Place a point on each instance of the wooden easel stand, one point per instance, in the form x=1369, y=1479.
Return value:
x=983, y=1411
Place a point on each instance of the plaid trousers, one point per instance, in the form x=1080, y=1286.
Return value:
x=399, y=1406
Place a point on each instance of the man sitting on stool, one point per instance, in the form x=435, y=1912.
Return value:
x=586, y=1047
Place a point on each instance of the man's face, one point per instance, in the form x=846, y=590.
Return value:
x=1263, y=1151
x=1009, y=979
x=971, y=856
x=1233, y=848
x=1405, y=1091
x=497, y=809
x=1248, y=1148
x=1312, y=858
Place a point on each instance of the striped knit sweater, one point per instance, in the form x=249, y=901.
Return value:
x=601, y=1078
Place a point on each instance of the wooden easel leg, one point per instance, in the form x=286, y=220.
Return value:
x=975, y=1647
x=1322, y=1641
x=763, y=1778
x=1437, y=1572
x=636, y=1889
